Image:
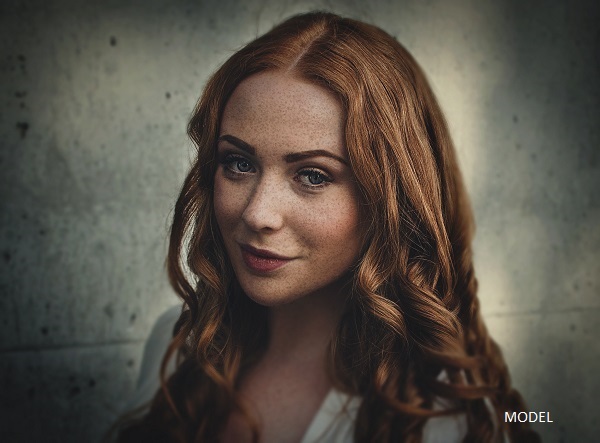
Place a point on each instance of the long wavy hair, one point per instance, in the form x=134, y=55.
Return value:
x=412, y=332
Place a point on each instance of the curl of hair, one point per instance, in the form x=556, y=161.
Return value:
x=412, y=312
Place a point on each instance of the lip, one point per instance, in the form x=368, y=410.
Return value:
x=262, y=260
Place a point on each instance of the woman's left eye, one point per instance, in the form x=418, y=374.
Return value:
x=313, y=178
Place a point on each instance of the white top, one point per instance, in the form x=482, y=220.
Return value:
x=333, y=423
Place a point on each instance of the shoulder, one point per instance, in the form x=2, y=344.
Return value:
x=154, y=350
x=453, y=428
x=157, y=343
x=445, y=429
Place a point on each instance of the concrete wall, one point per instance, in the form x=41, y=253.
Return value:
x=94, y=104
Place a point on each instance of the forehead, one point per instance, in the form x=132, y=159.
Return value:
x=276, y=110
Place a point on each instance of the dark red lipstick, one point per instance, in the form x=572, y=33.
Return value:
x=262, y=260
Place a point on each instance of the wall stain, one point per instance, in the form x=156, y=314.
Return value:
x=109, y=310
x=22, y=61
x=22, y=127
x=74, y=391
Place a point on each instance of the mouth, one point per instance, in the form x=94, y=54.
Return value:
x=262, y=260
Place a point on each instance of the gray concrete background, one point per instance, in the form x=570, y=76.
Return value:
x=94, y=100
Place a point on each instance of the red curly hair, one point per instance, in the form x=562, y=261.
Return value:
x=413, y=312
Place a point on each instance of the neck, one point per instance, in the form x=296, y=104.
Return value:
x=300, y=332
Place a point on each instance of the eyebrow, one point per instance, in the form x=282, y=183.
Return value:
x=289, y=158
x=241, y=144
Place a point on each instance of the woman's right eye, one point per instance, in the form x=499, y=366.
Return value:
x=237, y=164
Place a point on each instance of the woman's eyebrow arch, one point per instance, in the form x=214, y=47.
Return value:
x=298, y=156
x=289, y=158
x=241, y=144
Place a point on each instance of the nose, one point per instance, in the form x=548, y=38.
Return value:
x=264, y=210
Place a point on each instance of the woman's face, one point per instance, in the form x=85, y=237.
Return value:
x=285, y=198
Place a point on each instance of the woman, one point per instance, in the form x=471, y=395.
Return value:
x=322, y=246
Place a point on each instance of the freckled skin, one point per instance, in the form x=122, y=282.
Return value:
x=273, y=206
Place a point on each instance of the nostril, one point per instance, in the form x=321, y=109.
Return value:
x=263, y=212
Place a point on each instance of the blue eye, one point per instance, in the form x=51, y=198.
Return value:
x=237, y=164
x=313, y=178
x=243, y=165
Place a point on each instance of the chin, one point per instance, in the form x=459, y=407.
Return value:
x=269, y=299
x=268, y=296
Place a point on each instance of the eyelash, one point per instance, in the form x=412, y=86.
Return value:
x=231, y=161
x=326, y=180
x=228, y=160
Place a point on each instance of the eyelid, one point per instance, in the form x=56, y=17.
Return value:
x=226, y=158
x=320, y=171
x=327, y=178
x=226, y=151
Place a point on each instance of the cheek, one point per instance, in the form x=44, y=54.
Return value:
x=225, y=204
x=335, y=228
